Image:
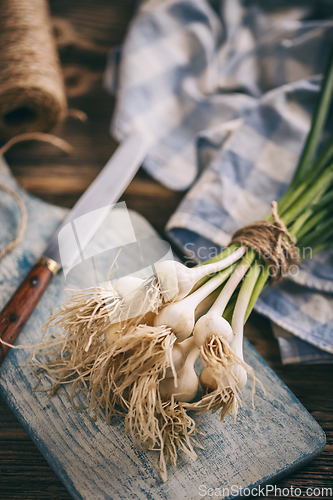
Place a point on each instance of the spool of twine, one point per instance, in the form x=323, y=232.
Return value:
x=32, y=94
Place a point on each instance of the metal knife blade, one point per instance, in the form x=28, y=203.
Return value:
x=106, y=189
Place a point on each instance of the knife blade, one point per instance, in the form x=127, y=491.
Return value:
x=105, y=190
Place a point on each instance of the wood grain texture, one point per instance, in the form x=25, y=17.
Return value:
x=60, y=179
x=18, y=310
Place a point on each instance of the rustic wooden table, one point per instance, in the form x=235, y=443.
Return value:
x=60, y=179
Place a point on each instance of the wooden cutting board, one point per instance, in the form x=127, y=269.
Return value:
x=96, y=461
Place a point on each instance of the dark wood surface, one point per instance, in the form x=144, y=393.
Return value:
x=57, y=178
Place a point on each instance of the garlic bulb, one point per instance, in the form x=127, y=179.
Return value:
x=180, y=351
x=237, y=372
x=237, y=375
x=240, y=374
x=176, y=280
x=237, y=342
x=211, y=324
x=126, y=288
x=111, y=334
x=187, y=384
x=127, y=285
x=207, y=380
x=180, y=316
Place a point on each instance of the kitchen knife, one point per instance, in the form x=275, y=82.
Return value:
x=105, y=190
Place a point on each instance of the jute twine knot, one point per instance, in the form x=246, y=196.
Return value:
x=272, y=241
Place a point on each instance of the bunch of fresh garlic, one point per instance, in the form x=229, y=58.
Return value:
x=214, y=339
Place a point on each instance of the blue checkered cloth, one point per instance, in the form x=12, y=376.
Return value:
x=224, y=91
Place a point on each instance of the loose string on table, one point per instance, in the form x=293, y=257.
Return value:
x=37, y=136
x=23, y=222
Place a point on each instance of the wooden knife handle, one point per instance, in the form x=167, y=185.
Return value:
x=16, y=312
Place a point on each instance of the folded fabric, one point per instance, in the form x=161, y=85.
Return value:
x=294, y=350
x=224, y=92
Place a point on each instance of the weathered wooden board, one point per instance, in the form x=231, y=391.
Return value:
x=96, y=461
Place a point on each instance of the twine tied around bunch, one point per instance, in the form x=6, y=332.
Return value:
x=272, y=241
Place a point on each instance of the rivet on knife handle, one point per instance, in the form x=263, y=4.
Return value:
x=16, y=312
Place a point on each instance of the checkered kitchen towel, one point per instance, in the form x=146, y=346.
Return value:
x=224, y=91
